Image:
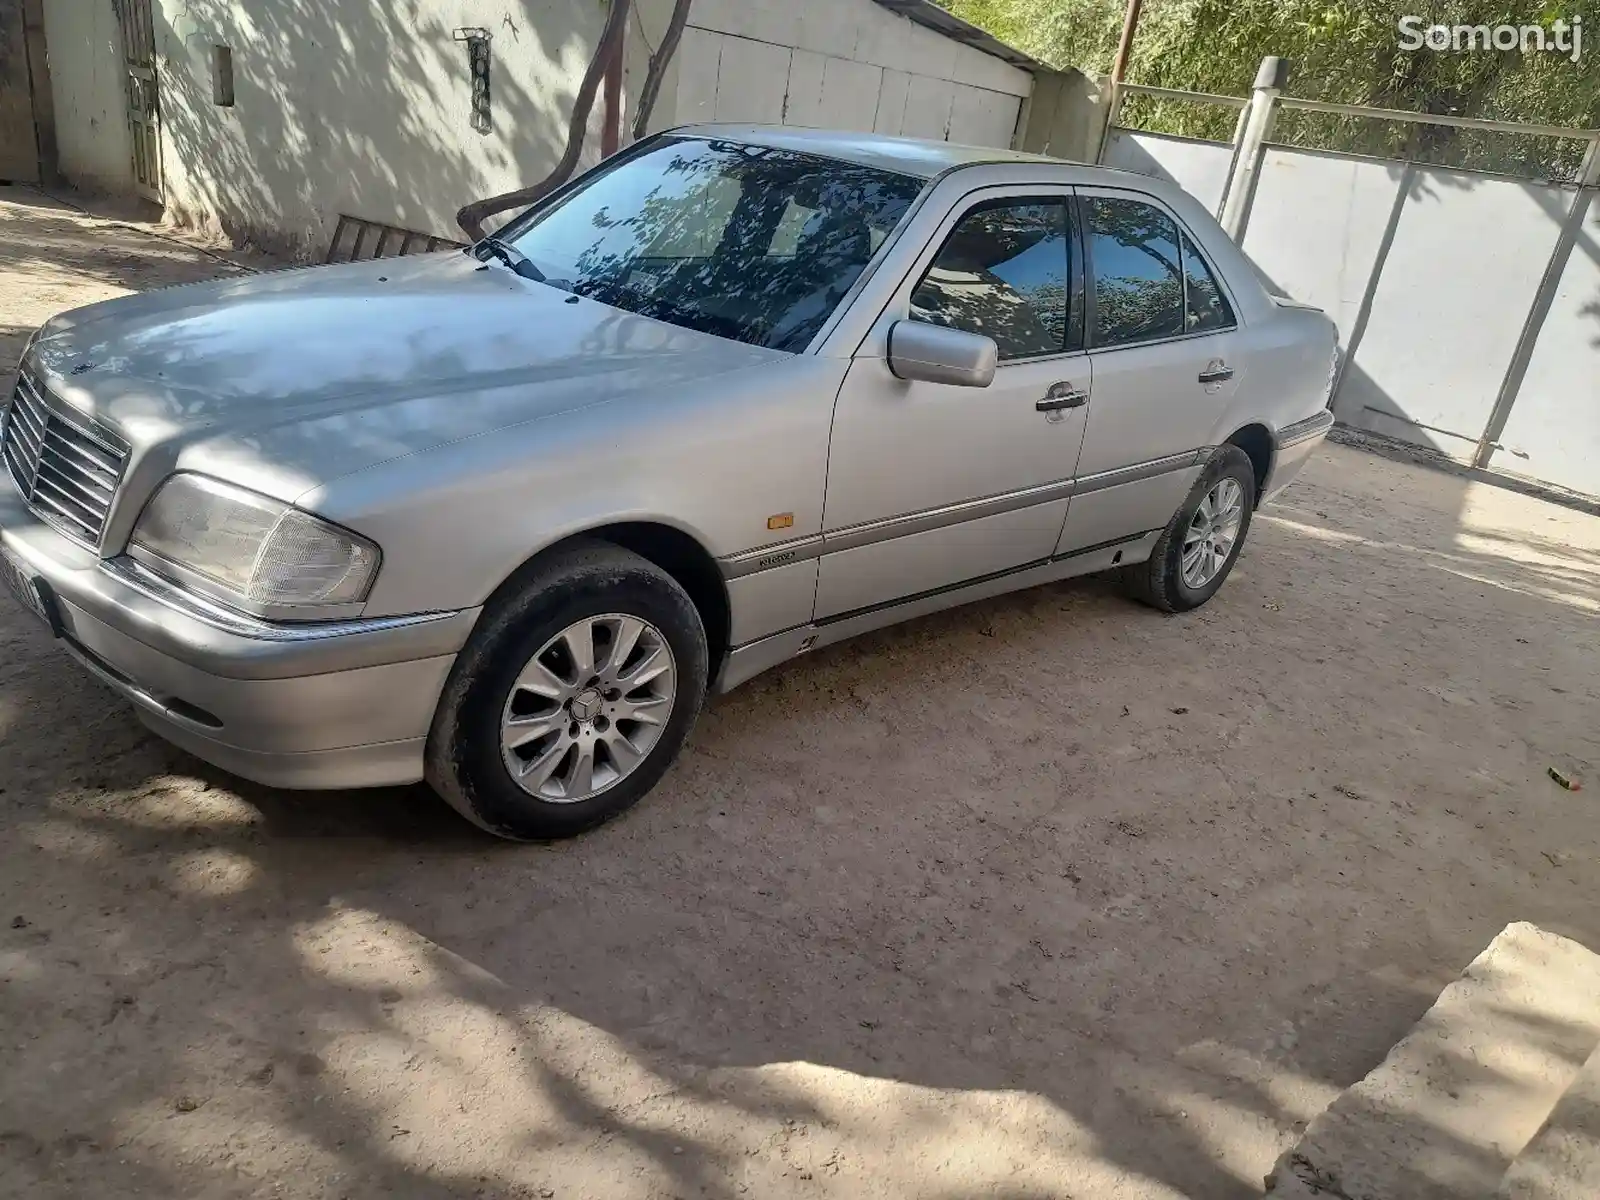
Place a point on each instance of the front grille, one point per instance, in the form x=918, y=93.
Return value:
x=66, y=469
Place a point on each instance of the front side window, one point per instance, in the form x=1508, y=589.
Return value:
x=746, y=242
x=1003, y=273
x=1138, y=271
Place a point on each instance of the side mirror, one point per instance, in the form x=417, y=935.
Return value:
x=918, y=350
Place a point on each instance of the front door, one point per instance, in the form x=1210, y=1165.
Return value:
x=932, y=485
x=144, y=110
x=1164, y=345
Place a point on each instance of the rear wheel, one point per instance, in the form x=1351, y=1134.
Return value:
x=1199, y=546
x=572, y=698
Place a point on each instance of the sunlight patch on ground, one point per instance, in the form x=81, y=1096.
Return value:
x=213, y=873
x=175, y=802
x=1523, y=570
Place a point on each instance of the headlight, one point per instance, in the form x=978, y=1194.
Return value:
x=253, y=550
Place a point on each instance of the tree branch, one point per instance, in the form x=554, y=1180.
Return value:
x=658, y=66
x=471, y=216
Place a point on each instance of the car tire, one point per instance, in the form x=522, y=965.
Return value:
x=1163, y=580
x=523, y=649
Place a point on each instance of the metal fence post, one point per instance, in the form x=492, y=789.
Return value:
x=1554, y=268
x=1233, y=162
x=1250, y=138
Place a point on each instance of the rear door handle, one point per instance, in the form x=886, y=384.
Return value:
x=1062, y=395
x=1216, y=373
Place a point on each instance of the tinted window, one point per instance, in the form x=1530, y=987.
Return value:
x=745, y=242
x=1002, y=273
x=1138, y=276
x=1208, y=307
x=786, y=237
x=695, y=232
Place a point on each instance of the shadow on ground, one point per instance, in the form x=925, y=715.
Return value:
x=1047, y=896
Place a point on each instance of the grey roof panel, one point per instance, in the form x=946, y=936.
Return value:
x=921, y=157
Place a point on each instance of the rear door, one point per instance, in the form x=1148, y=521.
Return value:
x=1163, y=340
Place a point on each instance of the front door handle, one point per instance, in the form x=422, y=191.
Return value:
x=1062, y=395
x=1216, y=371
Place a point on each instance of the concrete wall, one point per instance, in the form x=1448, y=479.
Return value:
x=844, y=64
x=1353, y=200
x=1553, y=432
x=84, y=50
x=1065, y=115
x=350, y=106
x=1447, y=307
x=1200, y=168
x=347, y=106
x=1429, y=307
x=1430, y=274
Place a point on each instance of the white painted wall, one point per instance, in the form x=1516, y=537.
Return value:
x=1199, y=168
x=86, y=86
x=348, y=106
x=1348, y=201
x=1444, y=304
x=1448, y=306
x=363, y=108
x=843, y=64
x=1554, y=429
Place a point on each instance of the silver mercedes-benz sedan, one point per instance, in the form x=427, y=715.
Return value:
x=501, y=519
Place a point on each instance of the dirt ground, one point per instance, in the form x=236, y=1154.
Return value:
x=1050, y=896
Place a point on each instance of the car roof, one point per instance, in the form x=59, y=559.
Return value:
x=920, y=157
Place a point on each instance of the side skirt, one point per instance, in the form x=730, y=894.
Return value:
x=745, y=662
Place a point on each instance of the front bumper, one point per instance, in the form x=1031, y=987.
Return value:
x=330, y=705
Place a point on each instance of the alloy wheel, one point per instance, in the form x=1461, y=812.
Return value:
x=1212, y=534
x=588, y=708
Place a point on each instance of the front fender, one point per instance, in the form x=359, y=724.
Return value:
x=715, y=464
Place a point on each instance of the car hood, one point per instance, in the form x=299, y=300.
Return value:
x=286, y=380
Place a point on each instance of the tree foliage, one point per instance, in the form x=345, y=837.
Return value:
x=1341, y=50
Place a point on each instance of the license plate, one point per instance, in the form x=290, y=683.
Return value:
x=25, y=586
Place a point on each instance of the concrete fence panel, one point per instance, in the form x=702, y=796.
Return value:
x=1553, y=431
x=1199, y=168
x=1454, y=288
x=1349, y=202
x=1468, y=303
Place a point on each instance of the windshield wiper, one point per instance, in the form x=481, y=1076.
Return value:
x=513, y=258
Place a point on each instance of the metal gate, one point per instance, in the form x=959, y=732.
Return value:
x=144, y=120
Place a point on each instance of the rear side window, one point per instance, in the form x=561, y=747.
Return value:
x=1003, y=272
x=1136, y=252
x=1207, y=308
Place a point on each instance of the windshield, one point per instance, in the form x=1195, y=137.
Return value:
x=745, y=242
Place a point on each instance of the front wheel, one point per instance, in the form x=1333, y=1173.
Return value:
x=1201, y=543
x=572, y=698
